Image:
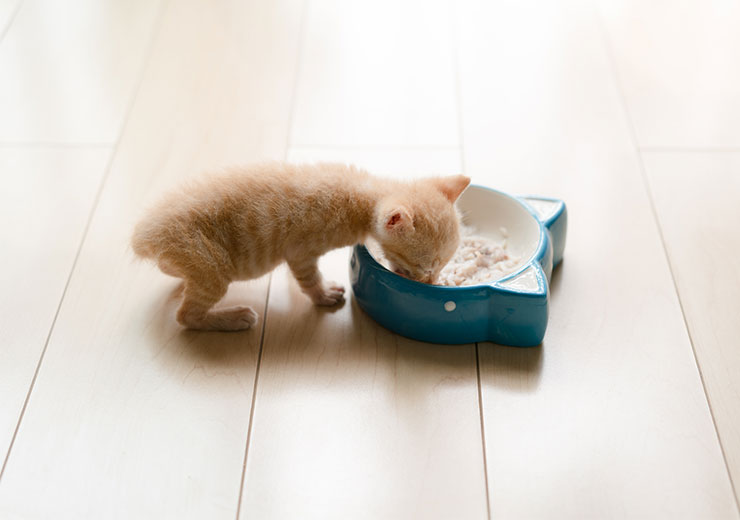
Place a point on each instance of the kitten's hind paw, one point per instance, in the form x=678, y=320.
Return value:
x=328, y=294
x=232, y=318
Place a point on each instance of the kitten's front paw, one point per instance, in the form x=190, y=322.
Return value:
x=328, y=294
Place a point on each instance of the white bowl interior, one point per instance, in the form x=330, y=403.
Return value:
x=499, y=217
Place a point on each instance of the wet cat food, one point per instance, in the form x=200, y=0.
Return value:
x=478, y=260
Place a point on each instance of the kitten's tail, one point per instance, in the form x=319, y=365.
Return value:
x=143, y=241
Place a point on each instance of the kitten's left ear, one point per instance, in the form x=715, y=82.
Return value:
x=398, y=220
x=451, y=187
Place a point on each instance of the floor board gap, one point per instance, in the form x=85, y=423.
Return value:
x=482, y=430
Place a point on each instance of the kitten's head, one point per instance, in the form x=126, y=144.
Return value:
x=418, y=227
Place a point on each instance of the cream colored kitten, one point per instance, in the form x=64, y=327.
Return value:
x=242, y=223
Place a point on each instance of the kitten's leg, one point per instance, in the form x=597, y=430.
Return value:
x=195, y=311
x=306, y=272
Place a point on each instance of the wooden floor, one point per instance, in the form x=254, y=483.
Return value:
x=629, y=111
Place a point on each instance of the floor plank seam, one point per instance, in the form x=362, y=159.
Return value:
x=688, y=330
x=10, y=21
x=41, y=358
x=646, y=184
x=482, y=431
x=104, y=178
x=452, y=18
x=291, y=116
x=254, y=399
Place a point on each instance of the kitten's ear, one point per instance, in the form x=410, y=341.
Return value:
x=451, y=187
x=398, y=219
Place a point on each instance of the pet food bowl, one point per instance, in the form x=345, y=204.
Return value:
x=511, y=311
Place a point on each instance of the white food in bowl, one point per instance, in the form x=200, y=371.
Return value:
x=478, y=260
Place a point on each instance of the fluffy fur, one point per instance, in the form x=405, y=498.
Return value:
x=242, y=223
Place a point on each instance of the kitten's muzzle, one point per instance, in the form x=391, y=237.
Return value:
x=425, y=278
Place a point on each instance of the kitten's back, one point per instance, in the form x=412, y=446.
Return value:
x=199, y=223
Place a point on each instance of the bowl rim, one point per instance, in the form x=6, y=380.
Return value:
x=533, y=260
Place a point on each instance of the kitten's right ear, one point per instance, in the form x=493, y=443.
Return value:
x=397, y=220
x=451, y=187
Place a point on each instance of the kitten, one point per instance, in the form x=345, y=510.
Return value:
x=242, y=223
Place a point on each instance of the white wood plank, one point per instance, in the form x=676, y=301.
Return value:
x=45, y=201
x=68, y=69
x=132, y=417
x=353, y=421
x=608, y=417
x=376, y=73
x=696, y=197
x=678, y=66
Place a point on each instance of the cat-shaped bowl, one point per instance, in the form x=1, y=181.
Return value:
x=512, y=310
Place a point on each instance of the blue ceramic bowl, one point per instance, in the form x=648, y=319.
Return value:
x=512, y=310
